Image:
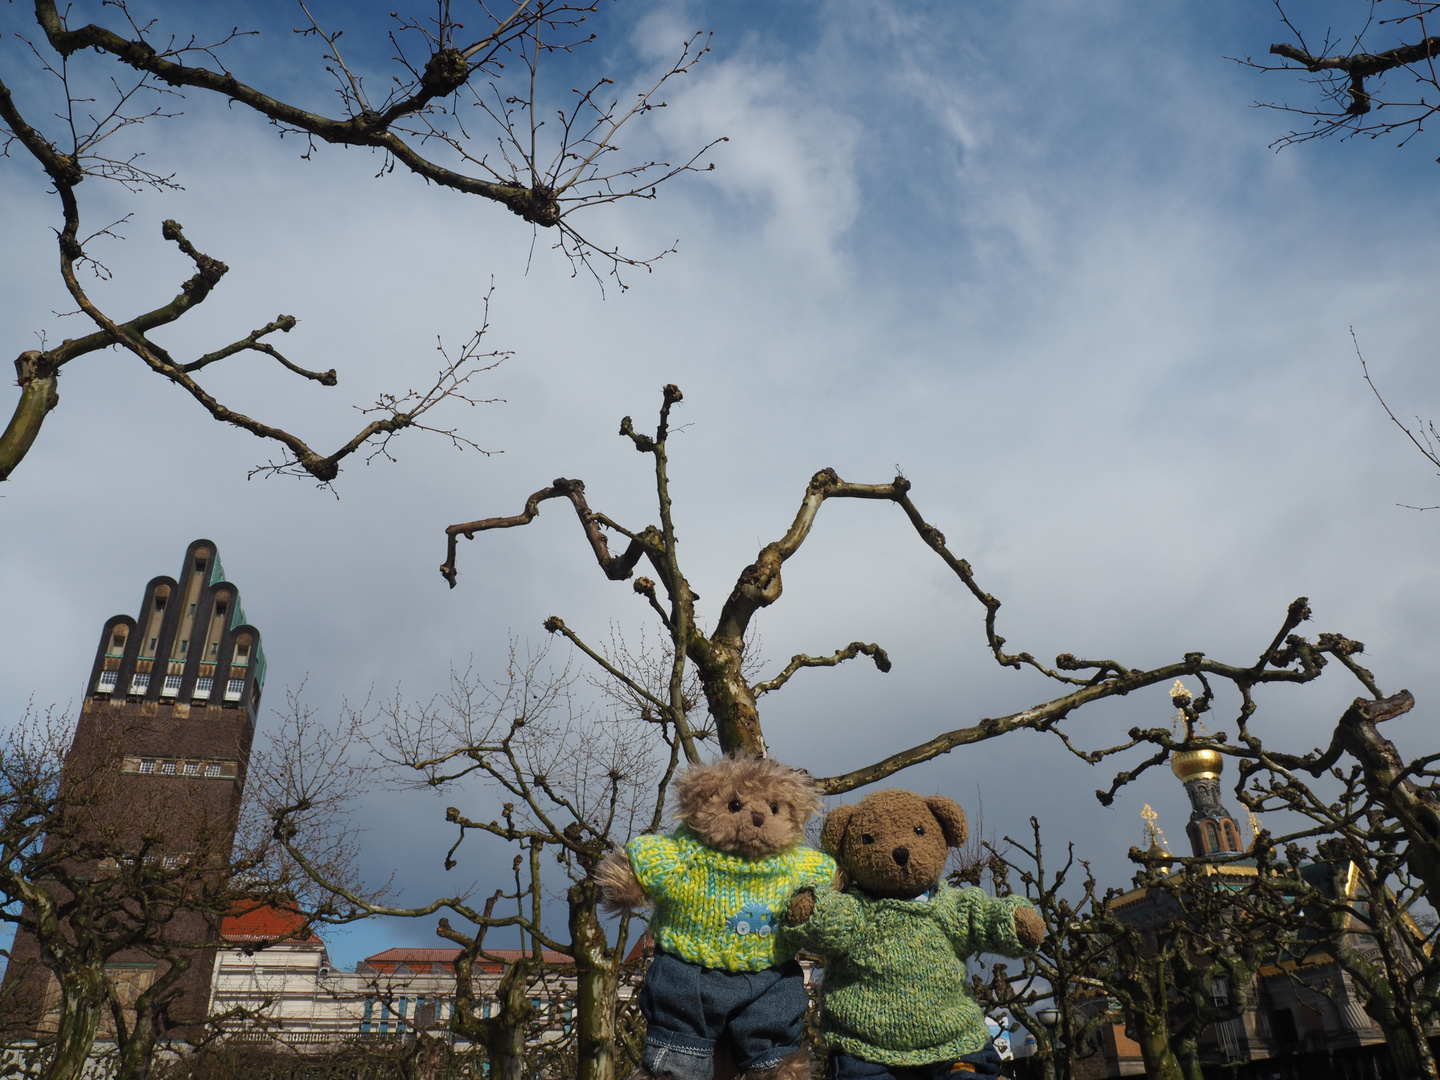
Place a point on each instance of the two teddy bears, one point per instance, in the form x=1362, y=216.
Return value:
x=736, y=894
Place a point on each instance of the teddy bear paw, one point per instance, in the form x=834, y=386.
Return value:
x=1029, y=927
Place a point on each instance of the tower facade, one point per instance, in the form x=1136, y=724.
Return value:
x=1212, y=828
x=160, y=750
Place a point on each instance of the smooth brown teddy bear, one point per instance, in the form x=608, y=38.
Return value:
x=895, y=942
x=721, y=978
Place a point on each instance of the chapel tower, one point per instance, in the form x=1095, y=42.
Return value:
x=1212, y=828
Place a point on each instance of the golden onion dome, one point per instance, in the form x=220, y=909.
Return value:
x=1197, y=764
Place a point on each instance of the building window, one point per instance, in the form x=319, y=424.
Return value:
x=1212, y=838
x=214, y=648
x=369, y=1010
x=140, y=683
x=203, y=686
x=160, y=602
x=212, y=769
x=192, y=768
x=107, y=682
x=171, y=687
x=172, y=861
x=192, y=609
x=167, y=768
x=184, y=646
x=152, y=643
x=147, y=767
x=233, y=688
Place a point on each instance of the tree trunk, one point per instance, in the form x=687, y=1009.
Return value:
x=80, y=1005
x=1160, y=1062
x=503, y=1034
x=597, y=981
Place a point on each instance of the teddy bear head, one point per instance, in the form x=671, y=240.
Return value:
x=894, y=843
x=747, y=806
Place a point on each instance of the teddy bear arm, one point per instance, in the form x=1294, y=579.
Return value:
x=620, y=889
x=978, y=923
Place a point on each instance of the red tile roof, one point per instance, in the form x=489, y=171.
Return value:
x=265, y=922
x=431, y=960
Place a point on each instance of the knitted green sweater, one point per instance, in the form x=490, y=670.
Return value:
x=720, y=910
x=895, y=991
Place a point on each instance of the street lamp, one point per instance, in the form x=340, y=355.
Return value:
x=1049, y=1017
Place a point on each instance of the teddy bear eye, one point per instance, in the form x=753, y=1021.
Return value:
x=866, y=838
x=736, y=806
x=919, y=830
x=774, y=808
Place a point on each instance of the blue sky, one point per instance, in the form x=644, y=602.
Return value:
x=1039, y=255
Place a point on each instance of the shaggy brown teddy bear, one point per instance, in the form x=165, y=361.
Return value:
x=719, y=885
x=895, y=942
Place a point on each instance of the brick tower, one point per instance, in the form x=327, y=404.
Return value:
x=163, y=740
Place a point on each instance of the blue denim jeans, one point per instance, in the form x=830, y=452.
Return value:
x=688, y=1008
x=981, y=1065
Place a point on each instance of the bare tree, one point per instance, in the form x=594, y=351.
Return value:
x=573, y=786
x=719, y=656
x=94, y=889
x=1061, y=972
x=442, y=103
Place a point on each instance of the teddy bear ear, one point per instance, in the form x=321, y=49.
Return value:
x=951, y=818
x=832, y=833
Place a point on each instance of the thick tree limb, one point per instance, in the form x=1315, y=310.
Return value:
x=447, y=70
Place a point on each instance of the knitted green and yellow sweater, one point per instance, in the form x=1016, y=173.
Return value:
x=895, y=991
x=720, y=910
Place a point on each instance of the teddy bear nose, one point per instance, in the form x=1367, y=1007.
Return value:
x=902, y=855
x=757, y=817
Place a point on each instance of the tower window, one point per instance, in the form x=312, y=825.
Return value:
x=117, y=642
x=167, y=768
x=159, y=602
x=233, y=689
x=184, y=646
x=203, y=686
x=171, y=687
x=192, y=609
x=140, y=683
x=107, y=682
x=199, y=565
x=152, y=643
x=192, y=768
x=222, y=606
x=214, y=648
x=212, y=768
x=147, y=767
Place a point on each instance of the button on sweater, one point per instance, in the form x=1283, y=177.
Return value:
x=895, y=991
x=716, y=909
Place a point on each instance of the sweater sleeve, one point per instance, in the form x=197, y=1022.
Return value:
x=655, y=858
x=978, y=923
x=834, y=924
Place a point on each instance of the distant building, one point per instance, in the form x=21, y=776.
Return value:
x=1299, y=1020
x=164, y=736
x=290, y=993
